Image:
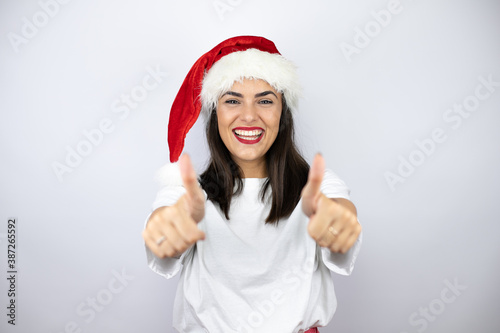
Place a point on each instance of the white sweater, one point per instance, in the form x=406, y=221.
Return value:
x=247, y=276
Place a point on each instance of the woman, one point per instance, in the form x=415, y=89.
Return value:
x=255, y=238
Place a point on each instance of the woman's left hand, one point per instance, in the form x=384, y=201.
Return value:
x=332, y=222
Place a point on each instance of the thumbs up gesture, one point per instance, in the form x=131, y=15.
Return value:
x=172, y=230
x=332, y=222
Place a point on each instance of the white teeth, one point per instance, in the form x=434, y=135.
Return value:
x=248, y=133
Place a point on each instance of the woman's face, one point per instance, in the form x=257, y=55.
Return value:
x=248, y=116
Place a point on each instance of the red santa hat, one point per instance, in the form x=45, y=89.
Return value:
x=216, y=71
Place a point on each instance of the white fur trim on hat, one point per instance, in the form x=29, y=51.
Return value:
x=273, y=68
x=169, y=175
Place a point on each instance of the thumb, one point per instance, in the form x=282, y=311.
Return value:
x=194, y=194
x=188, y=175
x=311, y=191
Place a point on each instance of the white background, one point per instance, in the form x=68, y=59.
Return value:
x=363, y=112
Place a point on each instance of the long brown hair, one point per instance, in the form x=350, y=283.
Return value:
x=286, y=169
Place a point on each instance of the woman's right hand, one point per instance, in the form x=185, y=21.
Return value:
x=172, y=230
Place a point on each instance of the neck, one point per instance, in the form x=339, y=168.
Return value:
x=253, y=169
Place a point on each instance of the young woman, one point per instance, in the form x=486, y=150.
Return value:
x=256, y=236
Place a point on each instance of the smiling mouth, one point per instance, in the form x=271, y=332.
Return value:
x=248, y=135
x=251, y=136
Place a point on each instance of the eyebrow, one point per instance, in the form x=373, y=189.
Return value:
x=264, y=93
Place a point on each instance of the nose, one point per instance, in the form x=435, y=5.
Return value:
x=248, y=113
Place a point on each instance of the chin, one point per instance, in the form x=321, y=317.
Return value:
x=248, y=157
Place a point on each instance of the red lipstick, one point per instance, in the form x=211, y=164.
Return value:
x=246, y=141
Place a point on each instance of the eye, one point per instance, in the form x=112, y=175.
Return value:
x=232, y=101
x=266, y=101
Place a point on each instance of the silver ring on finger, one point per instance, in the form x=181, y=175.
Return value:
x=334, y=231
x=160, y=240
